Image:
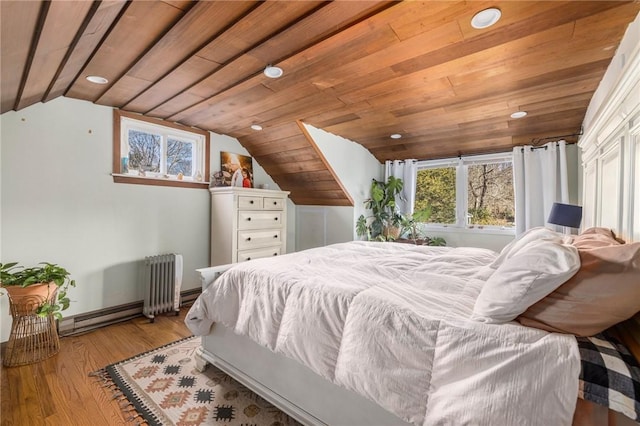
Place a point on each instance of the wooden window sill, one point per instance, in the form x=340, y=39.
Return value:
x=144, y=180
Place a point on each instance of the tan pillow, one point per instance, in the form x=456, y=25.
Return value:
x=595, y=237
x=597, y=230
x=604, y=292
x=602, y=231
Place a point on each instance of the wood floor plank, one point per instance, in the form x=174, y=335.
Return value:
x=59, y=390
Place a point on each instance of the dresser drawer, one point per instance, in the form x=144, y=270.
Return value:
x=249, y=203
x=254, y=239
x=245, y=255
x=270, y=203
x=259, y=219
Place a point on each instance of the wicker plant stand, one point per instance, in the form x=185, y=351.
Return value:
x=33, y=338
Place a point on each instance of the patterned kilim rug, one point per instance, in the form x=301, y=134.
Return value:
x=163, y=387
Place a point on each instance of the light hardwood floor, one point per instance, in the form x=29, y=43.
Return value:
x=59, y=391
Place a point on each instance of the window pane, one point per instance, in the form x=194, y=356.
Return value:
x=179, y=157
x=144, y=151
x=437, y=188
x=490, y=191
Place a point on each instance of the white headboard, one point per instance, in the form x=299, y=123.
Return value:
x=610, y=150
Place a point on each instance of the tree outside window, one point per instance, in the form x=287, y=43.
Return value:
x=179, y=157
x=437, y=188
x=144, y=151
x=490, y=194
x=486, y=184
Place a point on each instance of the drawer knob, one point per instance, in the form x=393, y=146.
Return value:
x=249, y=219
x=275, y=254
x=275, y=218
x=248, y=238
x=248, y=258
x=275, y=203
x=275, y=236
x=251, y=202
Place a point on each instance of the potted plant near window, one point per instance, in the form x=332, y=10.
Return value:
x=410, y=226
x=384, y=222
x=44, y=287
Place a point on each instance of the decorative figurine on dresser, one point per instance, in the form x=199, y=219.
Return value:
x=247, y=224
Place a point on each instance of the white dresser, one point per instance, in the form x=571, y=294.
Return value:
x=247, y=224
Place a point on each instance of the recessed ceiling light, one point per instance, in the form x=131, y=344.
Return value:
x=256, y=127
x=486, y=18
x=519, y=114
x=97, y=79
x=395, y=136
x=273, y=72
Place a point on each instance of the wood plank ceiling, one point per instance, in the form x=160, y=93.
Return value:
x=359, y=69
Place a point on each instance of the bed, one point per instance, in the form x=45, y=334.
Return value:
x=368, y=333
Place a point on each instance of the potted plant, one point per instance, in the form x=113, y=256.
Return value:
x=44, y=286
x=410, y=225
x=384, y=222
x=436, y=241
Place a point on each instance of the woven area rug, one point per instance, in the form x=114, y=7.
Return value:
x=163, y=387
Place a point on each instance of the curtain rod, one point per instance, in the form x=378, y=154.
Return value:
x=533, y=148
x=538, y=141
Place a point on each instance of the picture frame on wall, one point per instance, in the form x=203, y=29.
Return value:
x=237, y=169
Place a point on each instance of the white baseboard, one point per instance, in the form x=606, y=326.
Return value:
x=82, y=323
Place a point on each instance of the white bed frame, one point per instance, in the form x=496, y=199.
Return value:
x=287, y=384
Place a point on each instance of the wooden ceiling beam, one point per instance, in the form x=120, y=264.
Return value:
x=148, y=21
x=42, y=16
x=101, y=22
x=93, y=9
x=191, y=30
x=18, y=22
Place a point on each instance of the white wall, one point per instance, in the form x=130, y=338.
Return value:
x=59, y=204
x=355, y=166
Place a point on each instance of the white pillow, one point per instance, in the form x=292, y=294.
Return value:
x=525, y=278
x=530, y=235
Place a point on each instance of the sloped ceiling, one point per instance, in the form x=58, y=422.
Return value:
x=361, y=70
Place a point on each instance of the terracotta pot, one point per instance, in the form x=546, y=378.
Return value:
x=391, y=231
x=31, y=297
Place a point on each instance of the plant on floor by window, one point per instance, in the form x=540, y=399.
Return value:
x=384, y=222
x=410, y=226
x=45, y=286
x=436, y=241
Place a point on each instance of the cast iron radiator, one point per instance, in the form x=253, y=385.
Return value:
x=162, y=280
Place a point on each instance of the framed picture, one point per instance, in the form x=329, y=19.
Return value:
x=237, y=169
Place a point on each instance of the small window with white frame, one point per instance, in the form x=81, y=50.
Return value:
x=156, y=152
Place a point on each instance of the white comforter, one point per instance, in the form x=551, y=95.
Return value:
x=390, y=321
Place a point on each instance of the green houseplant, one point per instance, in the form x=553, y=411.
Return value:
x=410, y=225
x=411, y=229
x=384, y=222
x=47, y=282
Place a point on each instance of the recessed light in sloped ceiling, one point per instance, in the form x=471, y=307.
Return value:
x=97, y=79
x=486, y=18
x=273, y=72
